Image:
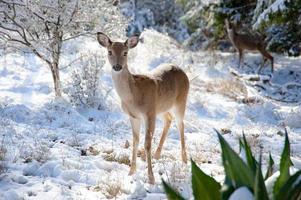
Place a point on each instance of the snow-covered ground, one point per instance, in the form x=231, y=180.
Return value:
x=54, y=151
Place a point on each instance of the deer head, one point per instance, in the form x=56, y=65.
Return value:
x=117, y=51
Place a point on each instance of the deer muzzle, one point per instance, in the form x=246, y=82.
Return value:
x=117, y=67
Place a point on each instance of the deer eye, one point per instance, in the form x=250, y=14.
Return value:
x=125, y=53
x=110, y=53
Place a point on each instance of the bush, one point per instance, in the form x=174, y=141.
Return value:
x=83, y=88
x=245, y=174
x=162, y=16
x=3, y=151
x=282, y=27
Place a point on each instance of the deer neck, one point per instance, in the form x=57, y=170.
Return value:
x=122, y=82
x=231, y=34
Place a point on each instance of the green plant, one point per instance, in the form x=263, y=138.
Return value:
x=245, y=172
x=283, y=27
x=239, y=11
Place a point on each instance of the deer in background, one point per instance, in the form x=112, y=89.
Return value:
x=243, y=42
x=163, y=91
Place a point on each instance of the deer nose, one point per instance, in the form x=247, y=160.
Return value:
x=117, y=67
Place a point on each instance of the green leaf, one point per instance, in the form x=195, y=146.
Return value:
x=285, y=163
x=291, y=190
x=270, y=167
x=260, y=191
x=227, y=189
x=250, y=159
x=170, y=193
x=238, y=172
x=204, y=187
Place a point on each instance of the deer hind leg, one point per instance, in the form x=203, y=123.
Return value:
x=135, y=123
x=266, y=55
x=179, y=114
x=240, y=57
x=167, y=122
x=262, y=65
x=150, y=128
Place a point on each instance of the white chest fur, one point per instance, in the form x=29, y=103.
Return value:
x=121, y=83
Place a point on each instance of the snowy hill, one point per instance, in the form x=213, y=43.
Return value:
x=53, y=150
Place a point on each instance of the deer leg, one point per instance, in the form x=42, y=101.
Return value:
x=135, y=123
x=167, y=122
x=240, y=57
x=268, y=56
x=150, y=127
x=179, y=114
x=262, y=65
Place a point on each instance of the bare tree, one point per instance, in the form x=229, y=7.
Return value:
x=43, y=26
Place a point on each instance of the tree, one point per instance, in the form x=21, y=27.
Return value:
x=43, y=25
x=281, y=20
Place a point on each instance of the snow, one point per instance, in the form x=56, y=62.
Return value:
x=278, y=5
x=54, y=149
x=270, y=182
x=241, y=193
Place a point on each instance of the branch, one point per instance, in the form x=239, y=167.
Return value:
x=73, y=13
x=10, y=29
x=78, y=35
x=23, y=34
x=40, y=55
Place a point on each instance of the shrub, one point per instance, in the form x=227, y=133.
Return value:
x=3, y=151
x=245, y=173
x=83, y=88
x=283, y=27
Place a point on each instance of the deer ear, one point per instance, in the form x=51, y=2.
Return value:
x=131, y=42
x=103, y=39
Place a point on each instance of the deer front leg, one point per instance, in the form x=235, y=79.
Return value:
x=150, y=127
x=135, y=123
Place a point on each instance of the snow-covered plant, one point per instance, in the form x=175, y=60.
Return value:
x=244, y=178
x=282, y=22
x=3, y=151
x=83, y=88
x=38, y=151
x=239, y=11
x=42, y=26
x=164, y=16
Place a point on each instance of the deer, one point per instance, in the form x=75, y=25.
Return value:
x=161, y=92
x=250, y=42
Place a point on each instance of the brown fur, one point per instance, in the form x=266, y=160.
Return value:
x=143, y=97
x=248, y=42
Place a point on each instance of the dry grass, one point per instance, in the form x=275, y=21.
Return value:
x=201, y=154
x=111, y=156
x=225, y=131
x=39, y=152
x=177, y=175
x=111, y=188
x=92, y=151
x=232, y=89
x=254, y=142
x=250, y=100
x=141, y=154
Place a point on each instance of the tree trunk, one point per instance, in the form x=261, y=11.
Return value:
x=56, y=79
x=57, y=44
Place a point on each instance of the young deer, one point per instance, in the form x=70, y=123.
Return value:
x=143, y=97
x=243, y=42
